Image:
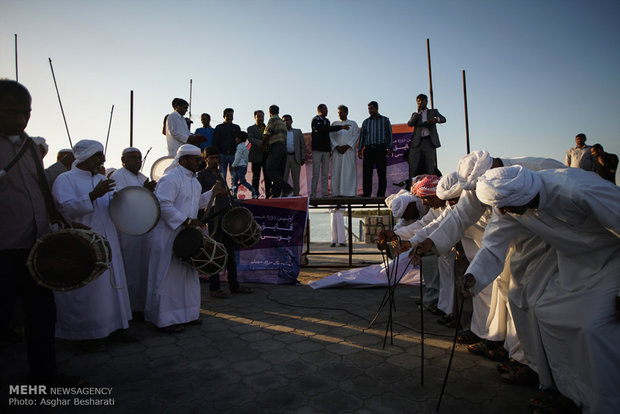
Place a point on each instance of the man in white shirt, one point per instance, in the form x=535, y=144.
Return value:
x=579, y=156
x=173, y=291
x=101, y=308
x=177, y=129
x=135, y=254
x=344, y=163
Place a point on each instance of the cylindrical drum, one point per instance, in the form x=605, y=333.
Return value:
x=240, y=225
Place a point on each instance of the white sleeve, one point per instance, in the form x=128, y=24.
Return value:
x=71, y=205
x=166, y=191
x=178, y=129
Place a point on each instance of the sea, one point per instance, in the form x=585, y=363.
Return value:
x=320, y=226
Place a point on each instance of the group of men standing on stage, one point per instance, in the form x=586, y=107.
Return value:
x=542, y=249
x=281, y=153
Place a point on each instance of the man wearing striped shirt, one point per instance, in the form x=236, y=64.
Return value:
x=374, y=147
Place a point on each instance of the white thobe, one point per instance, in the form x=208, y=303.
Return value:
x=135, y=254
x=344, y=166
x=579, y=218
x=177, y=132
x=173, y=290
x=417, y=232
x=101, y=307
x=339, y=234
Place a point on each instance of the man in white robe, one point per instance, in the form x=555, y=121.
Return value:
x=339, y=233
x=101, y=308
x=577, y=214
x=344, y=163
x=173, y=291
x=499, y=323
x=134, y=247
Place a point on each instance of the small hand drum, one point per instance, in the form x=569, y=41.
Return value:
x=69, y=259
x=240, y=225
x=159, y=167
x=197, y=249
x=134, y=210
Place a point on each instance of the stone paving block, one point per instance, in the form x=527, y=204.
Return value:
x=341, y=371
x=303, y=347
x=313, y=384
x=211, y=381
x=231, y=398
x=265, y=381
x=363, y=359
x=258, y=335
x=239, y=355
x=321, y=358
x=121, y=349
x=391, y=404
x=342, y=348
x=250, y=367
x=290, y=337
x=363, y=387
x=294, y=369
x=365, y=339
x=281, y=356
x=162, y=351
x=285, y=401
x=268, y=345
x=159, y=340
x=336, y=402
x=389, y=374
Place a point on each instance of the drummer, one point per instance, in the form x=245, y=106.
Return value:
x=173, y=290
x=207, y=178
x=135, y=256
x=23, y=219
x=101, y=308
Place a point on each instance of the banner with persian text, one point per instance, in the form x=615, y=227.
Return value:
x=276, y=259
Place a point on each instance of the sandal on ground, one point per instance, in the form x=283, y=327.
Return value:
x=524, y=376
x=242, y=289
x=194, y=322
x=497, y=354
x=445, y=319
x=478, y=348
x=552, y=402
x=218, y=294
x=468, y=337
x=509, y=366
x=172, y=329
x=543, y=399
x=435, y=310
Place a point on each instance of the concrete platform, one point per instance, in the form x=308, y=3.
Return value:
x=285, y=349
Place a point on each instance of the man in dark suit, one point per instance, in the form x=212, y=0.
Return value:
x=295, y=152
x=258, y=154
x=425, y=140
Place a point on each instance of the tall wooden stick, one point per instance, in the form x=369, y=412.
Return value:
x=466, y=116
x=105, y=149
x=430, y=73
x=16, y=71
x=190, y=99
x=131, y=119
x=60, y=102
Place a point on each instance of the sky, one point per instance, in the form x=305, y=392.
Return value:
x=538, y=71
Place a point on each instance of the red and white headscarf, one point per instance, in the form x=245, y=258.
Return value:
x=426, y=187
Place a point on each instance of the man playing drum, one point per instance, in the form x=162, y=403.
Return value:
x=207, y=178
x=101, y=308
x=173, y=292
x=23, y=219
x=135, y=255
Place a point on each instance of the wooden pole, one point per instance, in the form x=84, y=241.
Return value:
x=131, y=119
x=430, y=72
x=60, y=102
x=190, y=99
x=105, y=149
x=16, y=71
x=466, y=116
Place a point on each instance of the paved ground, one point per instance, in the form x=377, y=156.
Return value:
x=286, y=349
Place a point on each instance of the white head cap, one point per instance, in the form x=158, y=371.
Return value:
x=508, y=186
x=85, y=149
x=449, y=187
x=471, y=167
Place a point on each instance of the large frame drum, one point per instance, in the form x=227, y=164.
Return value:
x=69, y=259
x=197, y=249
x=134, y=210
x=160, y=166
x=240, y=225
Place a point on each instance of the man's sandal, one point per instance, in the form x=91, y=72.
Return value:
x=468, y=337
x=172, y=329
x=524, y=376
x=497, y=354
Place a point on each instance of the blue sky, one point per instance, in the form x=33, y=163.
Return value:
x=538, y=72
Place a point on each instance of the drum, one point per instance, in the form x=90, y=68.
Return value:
x=240, y=225
x=197, y=249
x=69, y=259
x=159, y=167
x=134, y=210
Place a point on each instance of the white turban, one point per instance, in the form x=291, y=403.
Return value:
x=187, y=149
x=398, y=202
x=472, y=166
x=131, y=149
x=448, y=187
x=40, y=141
x=62, y=151
x=508, y=186
x=85, y=149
